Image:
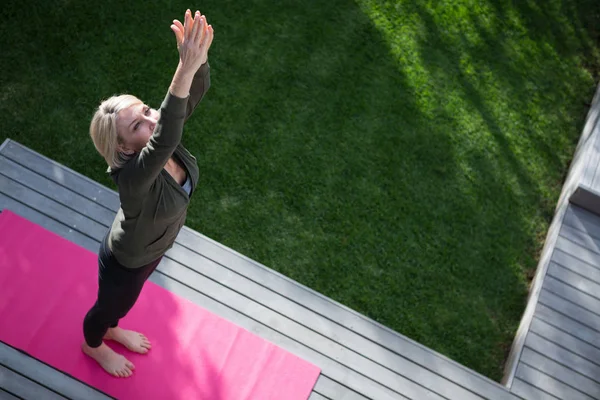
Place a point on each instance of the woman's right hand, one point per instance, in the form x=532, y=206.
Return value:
x=194, y=38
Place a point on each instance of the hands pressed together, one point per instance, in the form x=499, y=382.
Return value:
x=194, y=38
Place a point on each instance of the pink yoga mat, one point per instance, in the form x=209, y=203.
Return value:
x=47, y=284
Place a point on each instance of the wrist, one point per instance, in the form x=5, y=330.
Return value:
x=182, y=81
x=184, y=71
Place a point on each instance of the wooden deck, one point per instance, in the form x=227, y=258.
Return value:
x=360, y=359
x=556, y=353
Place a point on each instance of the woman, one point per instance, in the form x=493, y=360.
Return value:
x=155, y=176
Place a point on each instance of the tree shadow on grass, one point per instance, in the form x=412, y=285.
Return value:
x=519, y=173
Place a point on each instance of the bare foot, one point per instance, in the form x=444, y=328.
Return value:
x=134, y=341
x=113, y=363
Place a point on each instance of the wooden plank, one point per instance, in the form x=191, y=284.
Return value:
x=571, y=343
x=578, y=251
x=588, y=128
x=549, y=384
x=4, y=395
x=330, y=387
x=530, y=392
x=572, y=287
x=594, y=162
x=582, y=238
x=562, y=356
x=583, y=220
x=58, y=173
x=576, y=265
x=561, y=373
x=331, y=390
x=23, y=387
x=47, y=376
x=344, y=317
x=58, y=211
x=49, y=223
x=569, y=325
x=7, y=396
x=587, y=175
x=593, y=115
x=56, y=192
x=317, y=396
x=565, y=307
x=592, y=158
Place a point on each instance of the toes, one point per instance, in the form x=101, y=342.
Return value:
x=130, y=365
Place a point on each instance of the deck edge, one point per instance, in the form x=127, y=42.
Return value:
x=570, y=185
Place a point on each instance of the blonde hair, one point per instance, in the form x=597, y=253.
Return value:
x=103, y=129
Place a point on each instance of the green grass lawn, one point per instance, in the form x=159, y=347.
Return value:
x=401, y=157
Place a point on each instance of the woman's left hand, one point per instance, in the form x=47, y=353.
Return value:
x=206, y=35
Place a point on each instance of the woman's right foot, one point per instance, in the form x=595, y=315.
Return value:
x=113, y=363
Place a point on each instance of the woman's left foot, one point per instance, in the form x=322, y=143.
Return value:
x=134, y=341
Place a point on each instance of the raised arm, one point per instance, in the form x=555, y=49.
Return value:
x=201, y=80
x=193, y=40
x=200, y=86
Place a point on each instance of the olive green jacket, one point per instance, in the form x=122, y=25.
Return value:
x=153, y=205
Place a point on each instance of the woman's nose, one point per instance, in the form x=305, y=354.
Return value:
x=152, y=119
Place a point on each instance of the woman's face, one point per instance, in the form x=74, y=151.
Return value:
x=135, y=125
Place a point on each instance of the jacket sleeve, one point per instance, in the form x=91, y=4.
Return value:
x=200, y=86
x=138, y=175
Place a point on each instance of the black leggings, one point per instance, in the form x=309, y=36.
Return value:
x=118, y=289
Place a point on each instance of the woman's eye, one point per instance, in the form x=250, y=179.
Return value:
x=135, y=127
x=147, y=111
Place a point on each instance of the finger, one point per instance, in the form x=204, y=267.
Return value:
x=179, y=25
x=201, y=30
x=197, y=26
x=181, y=30
x=212, y=35
x=207, y=40
x=178, y=34
x=201, y=20
x=188, y=24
